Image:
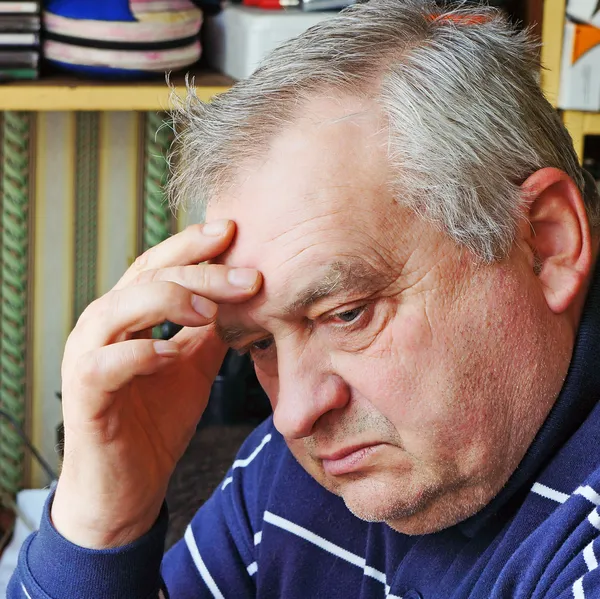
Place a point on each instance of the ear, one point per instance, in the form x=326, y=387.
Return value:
x=557, y=236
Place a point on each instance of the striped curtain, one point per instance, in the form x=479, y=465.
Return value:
x=81, y=194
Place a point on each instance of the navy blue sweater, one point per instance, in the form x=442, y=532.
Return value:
x=271, y=531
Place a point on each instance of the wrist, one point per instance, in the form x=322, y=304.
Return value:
x=92, y=523
x=58, y=568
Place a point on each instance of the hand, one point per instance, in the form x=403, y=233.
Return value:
x=131, y=404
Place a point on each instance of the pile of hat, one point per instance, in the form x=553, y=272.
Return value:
x=121, y=38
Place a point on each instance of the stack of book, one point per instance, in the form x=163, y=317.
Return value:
x=19, y=40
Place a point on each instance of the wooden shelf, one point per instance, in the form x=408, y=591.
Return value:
x=70, y=93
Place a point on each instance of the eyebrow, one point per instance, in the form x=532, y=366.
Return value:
x=353, y=275
x=342, y=276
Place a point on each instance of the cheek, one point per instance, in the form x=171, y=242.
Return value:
x=411, y=376
x=391, y=373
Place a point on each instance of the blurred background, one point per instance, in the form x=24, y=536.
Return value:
x=83, y=138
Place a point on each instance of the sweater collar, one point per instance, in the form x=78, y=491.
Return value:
x=579, y=394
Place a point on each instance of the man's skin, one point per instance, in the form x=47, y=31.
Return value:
x=405, y=375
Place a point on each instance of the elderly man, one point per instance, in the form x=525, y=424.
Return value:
x=400, y=234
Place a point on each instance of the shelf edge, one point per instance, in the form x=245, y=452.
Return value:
x=44, y=98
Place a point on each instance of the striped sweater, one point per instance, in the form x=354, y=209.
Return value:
x=271, y=531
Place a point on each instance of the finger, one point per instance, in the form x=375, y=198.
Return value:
x=214, y=281
x=203, y=346
x=189, y=339
x=194, y=244
x=132, y=309
x=109, y=368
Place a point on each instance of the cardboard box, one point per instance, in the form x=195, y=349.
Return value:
x=580, y=68
x=239, y=37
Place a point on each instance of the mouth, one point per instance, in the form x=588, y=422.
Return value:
x=349, y=459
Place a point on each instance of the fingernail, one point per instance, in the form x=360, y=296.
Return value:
x=242, y=277
x=215, y=228
x=203, y=306
x=166, y=348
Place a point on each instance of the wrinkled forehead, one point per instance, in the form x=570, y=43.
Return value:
x=270, y=232
x=321, y=178
x=305, y=257
x=328, y=249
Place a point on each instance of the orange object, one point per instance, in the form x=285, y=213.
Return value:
x=586, y=37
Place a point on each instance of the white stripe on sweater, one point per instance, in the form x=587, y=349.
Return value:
x=590, y=557
x=204, y=573
x=594, y=519
x=326, y=545
x=258, y=537
x=589, y=494
x=252, y=568
x=590, y=561
x=561, y=497
x=549, y=493
x=315, y=539
x=578, y=589
x=376, y=574
x=245, y=461
x=27, y=595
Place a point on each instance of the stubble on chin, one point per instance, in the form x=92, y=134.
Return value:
x=413, y=501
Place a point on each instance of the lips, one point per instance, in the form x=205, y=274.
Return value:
x=348, y=459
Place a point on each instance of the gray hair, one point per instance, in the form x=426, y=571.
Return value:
x=459, y=87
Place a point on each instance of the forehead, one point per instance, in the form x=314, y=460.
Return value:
x=320, y=188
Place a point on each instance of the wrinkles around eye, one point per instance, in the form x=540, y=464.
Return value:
x=345, y=328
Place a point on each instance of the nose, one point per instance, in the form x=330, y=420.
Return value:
x=307, y=390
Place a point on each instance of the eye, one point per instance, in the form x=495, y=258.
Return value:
x=260, y=348
x=350, y=316
x=261, y=344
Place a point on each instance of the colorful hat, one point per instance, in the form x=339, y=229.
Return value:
x=122, y=38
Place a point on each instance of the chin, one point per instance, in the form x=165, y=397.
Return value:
x=410, y=509
x=443, y=511
x=378, y=500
